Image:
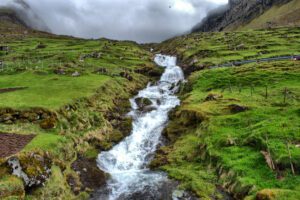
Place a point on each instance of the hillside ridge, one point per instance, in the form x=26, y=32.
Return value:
x=237, y=14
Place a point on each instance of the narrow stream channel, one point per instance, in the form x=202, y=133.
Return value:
x=127, y=162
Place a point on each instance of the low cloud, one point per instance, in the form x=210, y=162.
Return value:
x=138, y=20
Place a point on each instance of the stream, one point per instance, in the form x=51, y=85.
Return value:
x=127, y=162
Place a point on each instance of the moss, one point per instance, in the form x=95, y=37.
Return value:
x=56, y=187
x=48, y=123
x=11, y=186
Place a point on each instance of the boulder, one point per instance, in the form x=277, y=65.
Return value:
x=76, y=74
x=265, y=195
x=144, y=104
x=213, y=97
x=48, y=123
x=234, y=108
x=90, y=175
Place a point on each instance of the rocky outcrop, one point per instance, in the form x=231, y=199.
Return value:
x=45, y=118
x=235, y=14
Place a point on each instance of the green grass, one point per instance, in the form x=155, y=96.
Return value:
x=47, y=91
x=234, y=141
x=209, y=49
x=81, y=104
x=45, y=142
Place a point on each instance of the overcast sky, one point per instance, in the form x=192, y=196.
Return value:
x=138, y=20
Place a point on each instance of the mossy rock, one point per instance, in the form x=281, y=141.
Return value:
x=116, y=136
x=266, y=194
x=36, y=165
x=143, y=102
x=49, y=123
x=191, y=117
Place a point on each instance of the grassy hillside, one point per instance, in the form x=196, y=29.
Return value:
x=201, y=50
x=237, y=129
x=71, y=95
x=278, y=16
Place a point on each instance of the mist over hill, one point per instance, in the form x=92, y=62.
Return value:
x=141, y=21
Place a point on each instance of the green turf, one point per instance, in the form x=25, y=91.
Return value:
x=235, y=141
x=47, y=91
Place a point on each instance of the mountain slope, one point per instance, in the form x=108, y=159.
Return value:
x=240, y=13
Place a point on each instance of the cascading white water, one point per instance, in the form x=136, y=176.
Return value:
x=127, y=161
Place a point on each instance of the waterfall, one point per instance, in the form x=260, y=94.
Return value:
x=127, y=162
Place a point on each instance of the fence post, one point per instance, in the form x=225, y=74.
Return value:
x=285, y=95
x=290, y=157
x=230, y=88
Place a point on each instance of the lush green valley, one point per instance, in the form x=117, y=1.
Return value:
x=236, y=132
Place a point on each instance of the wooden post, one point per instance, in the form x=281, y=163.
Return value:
x=285, y=95
x=269, y=152
x=230, y=88
x=266, y=95
x=290, y=157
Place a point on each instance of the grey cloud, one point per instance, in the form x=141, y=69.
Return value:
x=139, y=20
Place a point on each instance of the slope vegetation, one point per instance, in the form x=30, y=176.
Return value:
x=237, y=129
x=66, y=98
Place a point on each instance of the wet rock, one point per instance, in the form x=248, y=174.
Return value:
x=143, y=102
x=234, y=108
x=213, y=97
x=90, y=175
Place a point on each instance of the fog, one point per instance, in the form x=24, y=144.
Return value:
x=138, y=20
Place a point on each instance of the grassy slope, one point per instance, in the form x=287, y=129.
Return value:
x=92, y=94
x=207, y=49
x=282, y=15
x=225, y=149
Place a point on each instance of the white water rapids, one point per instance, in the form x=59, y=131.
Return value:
x=127, y=162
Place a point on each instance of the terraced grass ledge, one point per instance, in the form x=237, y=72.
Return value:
x=237, y=128
x=72, y=95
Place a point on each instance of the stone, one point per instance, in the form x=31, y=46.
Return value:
x=59, y=71
x=213, y=97
x=95, y=178
x=48, y=123
x=76, y=74
x=234, y=108
x=266, y=194
x=143, y=102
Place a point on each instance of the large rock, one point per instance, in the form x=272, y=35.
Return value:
x=144, y=104
x=90, y=175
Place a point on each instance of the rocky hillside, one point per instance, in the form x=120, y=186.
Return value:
x=245, y=13
x=21, y=14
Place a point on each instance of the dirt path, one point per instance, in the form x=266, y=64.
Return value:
x=11, y=144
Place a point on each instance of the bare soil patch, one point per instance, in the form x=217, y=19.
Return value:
x=11, y=144
x=3, y=90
